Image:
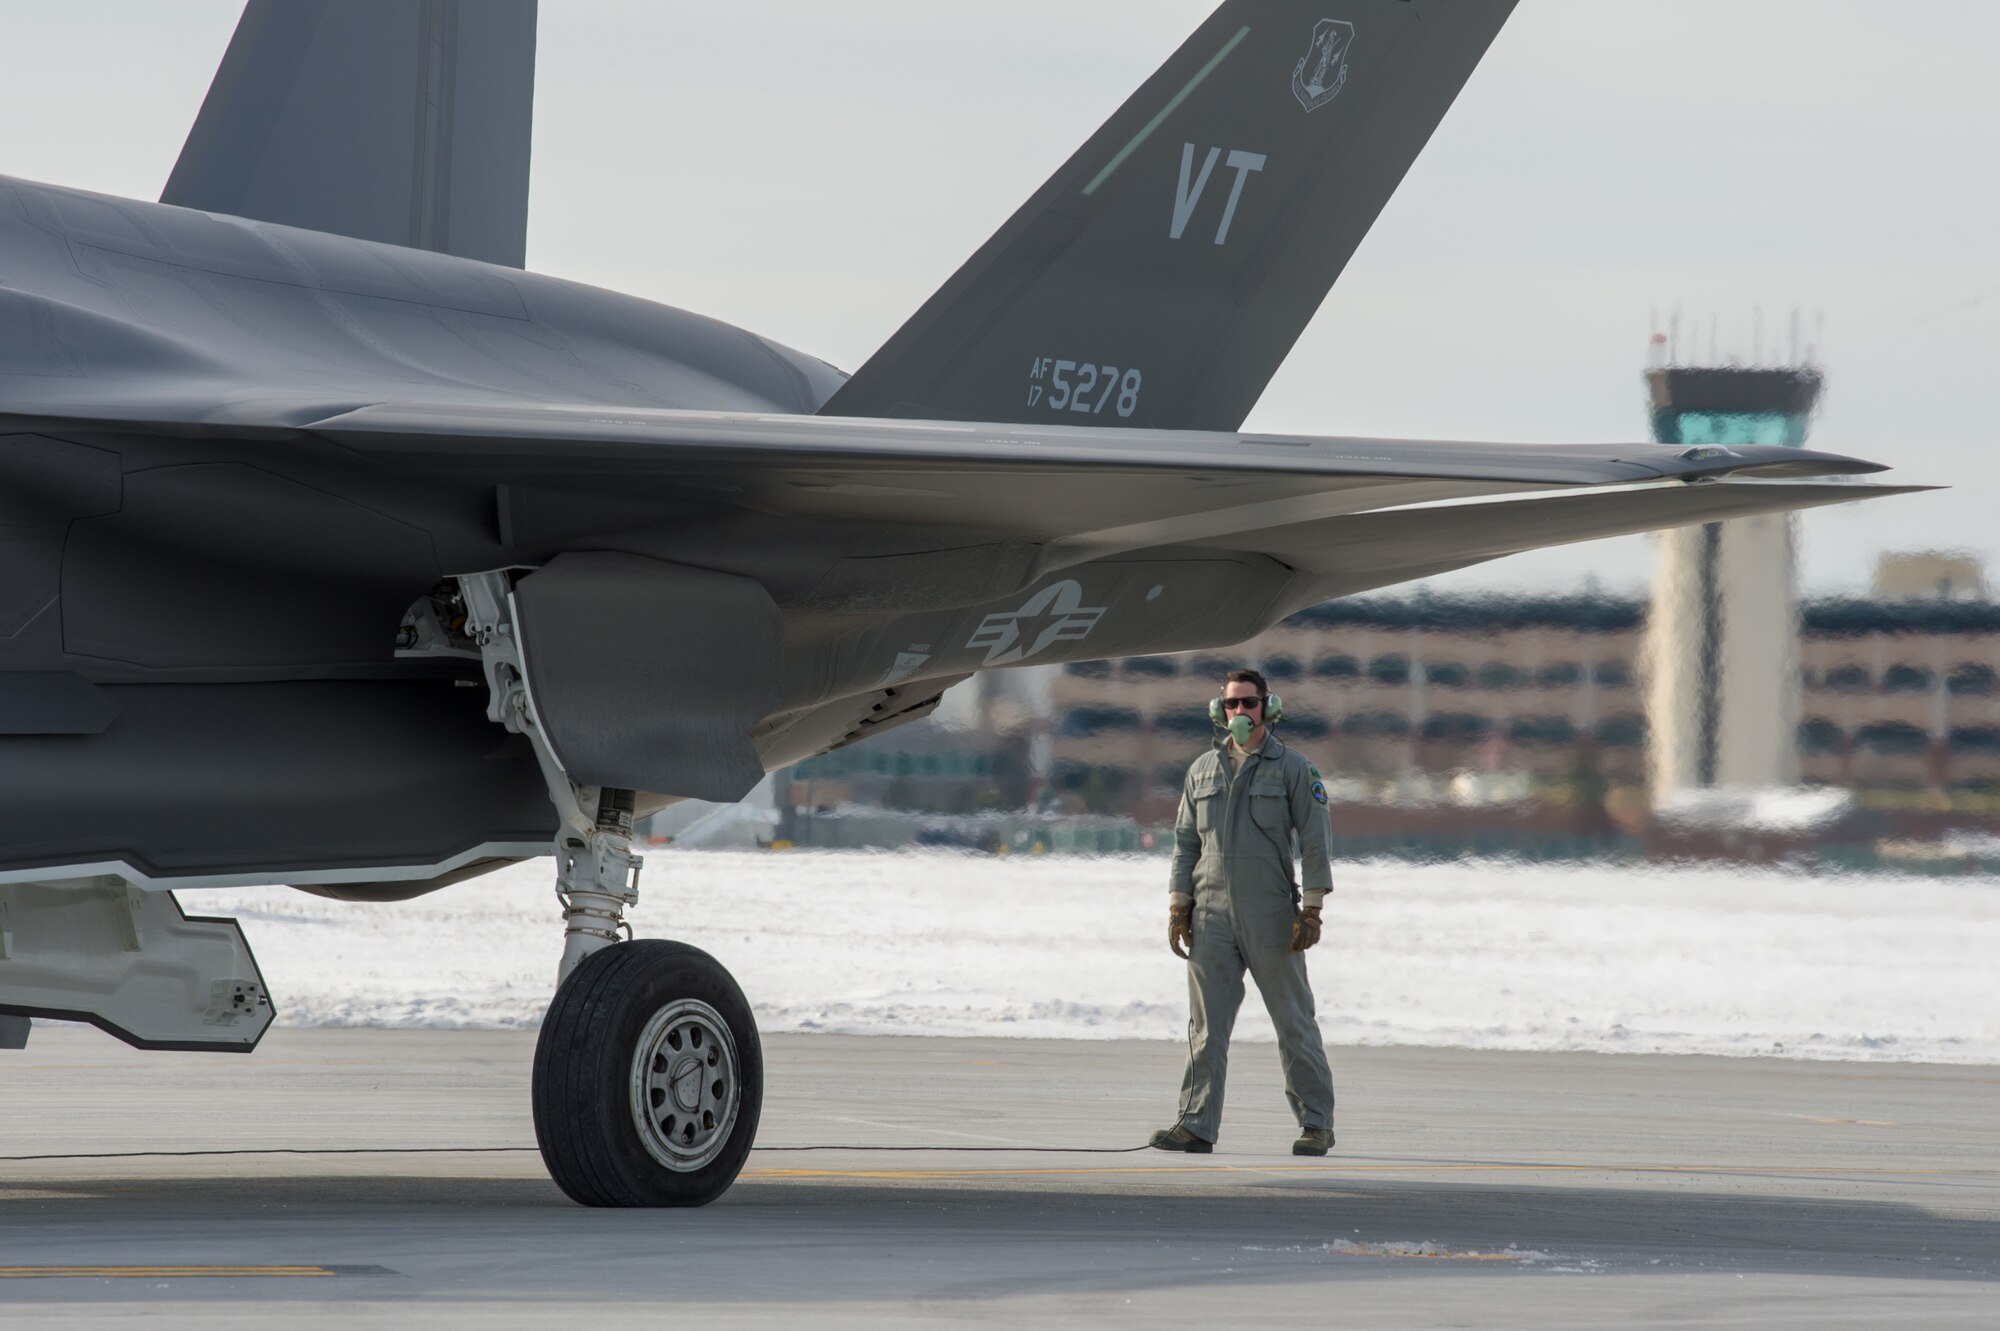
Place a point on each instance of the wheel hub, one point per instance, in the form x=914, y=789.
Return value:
x=686, y=1084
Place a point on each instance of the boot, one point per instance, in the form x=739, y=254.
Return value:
x=1178, y=1138
x=1314, y=1141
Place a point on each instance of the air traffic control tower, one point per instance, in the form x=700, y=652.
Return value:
x=1723, y=690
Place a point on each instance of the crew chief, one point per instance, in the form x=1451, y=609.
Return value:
x=1234, y=905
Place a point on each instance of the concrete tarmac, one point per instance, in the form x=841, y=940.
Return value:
x=1468, y=1189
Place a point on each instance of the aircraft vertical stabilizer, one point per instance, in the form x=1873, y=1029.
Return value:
x=405, y=121
x=1160, y=277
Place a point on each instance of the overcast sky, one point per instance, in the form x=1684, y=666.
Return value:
x=813, y=170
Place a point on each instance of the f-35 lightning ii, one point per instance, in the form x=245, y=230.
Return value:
x=336, y=550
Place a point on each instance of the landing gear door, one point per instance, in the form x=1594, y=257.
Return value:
x=647, y=675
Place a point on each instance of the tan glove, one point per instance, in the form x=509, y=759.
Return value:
x=1305, y=929
x=1180, y=929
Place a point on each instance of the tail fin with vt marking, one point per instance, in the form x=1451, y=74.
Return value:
x=1160, y=277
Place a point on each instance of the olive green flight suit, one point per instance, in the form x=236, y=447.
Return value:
x=1233, y=855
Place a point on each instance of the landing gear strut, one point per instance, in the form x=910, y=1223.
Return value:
x=648, y=1077
x=597, y=877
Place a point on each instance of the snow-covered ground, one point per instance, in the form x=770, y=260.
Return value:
x=1489, y=955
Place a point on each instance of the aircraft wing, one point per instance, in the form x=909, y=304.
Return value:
x=592, y=439
x=1371, y=550
x=1316, y=503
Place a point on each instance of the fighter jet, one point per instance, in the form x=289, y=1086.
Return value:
x=337, y=550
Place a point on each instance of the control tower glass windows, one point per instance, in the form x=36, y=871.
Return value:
x=1732, y=427
x=1730, y=405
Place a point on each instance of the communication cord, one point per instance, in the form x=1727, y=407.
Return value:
x=501, y=1150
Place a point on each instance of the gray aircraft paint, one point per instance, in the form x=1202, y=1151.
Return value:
x=234, y=452
x=1191, y=238
x=707, y=639
x=405, y=121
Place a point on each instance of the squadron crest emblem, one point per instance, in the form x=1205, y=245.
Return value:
x=1322, y=72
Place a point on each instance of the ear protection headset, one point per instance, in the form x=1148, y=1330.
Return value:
x=1274, y=710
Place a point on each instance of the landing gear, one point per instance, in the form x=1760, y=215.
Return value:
x=648, y=1077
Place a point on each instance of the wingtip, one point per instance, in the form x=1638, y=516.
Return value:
x=1844, y=491
x=1764, y=462
x=1808, y=464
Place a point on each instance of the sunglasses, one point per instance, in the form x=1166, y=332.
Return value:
x=1249, y=704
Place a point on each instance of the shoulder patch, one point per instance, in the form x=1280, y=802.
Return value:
x=1314, y=771
x=1319, y=788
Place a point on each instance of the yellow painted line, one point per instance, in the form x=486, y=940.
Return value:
x=156, y=1272
x=1831, y=1171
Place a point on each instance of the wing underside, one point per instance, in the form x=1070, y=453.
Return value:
x=1327, y=506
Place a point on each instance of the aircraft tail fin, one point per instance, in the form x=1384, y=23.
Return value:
x=1160, y=277
x=404, y=121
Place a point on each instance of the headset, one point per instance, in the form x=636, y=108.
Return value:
x=1274, y=710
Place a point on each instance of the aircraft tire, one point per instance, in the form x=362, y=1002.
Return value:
x=648, y=1078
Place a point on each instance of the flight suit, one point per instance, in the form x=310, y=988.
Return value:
x=1233, y=855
